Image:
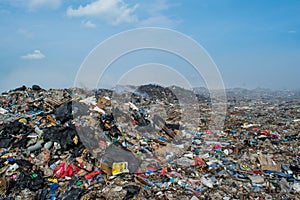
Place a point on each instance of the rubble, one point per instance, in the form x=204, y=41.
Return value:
x=83, y=144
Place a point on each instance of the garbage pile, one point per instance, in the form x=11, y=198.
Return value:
x=83, y=144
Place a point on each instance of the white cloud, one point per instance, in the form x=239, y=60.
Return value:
x=53, y=4
x=112, y=11
x=88, y=24
x=292, y=31
x=35, y=55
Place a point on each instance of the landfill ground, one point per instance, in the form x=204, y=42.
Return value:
x=144, y=143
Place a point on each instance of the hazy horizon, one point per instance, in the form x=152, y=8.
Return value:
x=165, y=86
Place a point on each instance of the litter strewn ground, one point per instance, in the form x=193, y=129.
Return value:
x=87, y=144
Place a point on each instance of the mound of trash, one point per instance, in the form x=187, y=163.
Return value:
x=142, y=144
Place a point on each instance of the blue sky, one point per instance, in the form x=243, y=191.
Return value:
x=254, y=43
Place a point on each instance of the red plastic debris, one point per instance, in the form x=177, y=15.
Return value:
x=91, y=175
x=61, y=170
x=163, y=171
x=256, y=171
x=199, y=161
x=141, y=174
